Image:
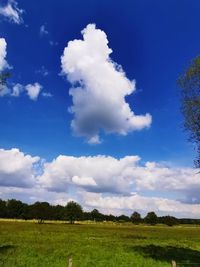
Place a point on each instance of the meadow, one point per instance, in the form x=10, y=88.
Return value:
x=29, y=244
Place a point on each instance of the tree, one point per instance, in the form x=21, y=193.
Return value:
x=136, y=217
x=58, y=212
x=3, y=209
x=151, y=218
x=169, y=220
x=123, y=218
x=73, y=211
x=189, y=83
x=41, y=211
x=14, y=208
x=3, y=77
x=96, y=215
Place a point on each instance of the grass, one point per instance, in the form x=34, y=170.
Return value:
x=28, y=244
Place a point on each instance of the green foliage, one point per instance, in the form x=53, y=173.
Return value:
x=3, y=209
x=40, y=211
x=136, y=217
x=169, y=220
x=123, y=218
x=15, y=208
x=100, y=244
x=151, y=218
x=190, y=103
x=73, y=211
x=3, y=77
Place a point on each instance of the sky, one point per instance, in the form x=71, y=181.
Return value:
x=91, y=112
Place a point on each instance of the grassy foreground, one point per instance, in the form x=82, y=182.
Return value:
x=30, y=244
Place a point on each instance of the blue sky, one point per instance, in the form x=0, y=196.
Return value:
x=153, y=41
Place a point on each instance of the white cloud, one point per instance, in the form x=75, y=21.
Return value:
x=46, y=94
x=43, y=30
x=103, y=182
x=94, y=140
x=137, y=202
x=12, y=12
x=157, y=177
x=98, y=173
x=43, y=71
x=84, y=181
x=4, y=90
x=33, y=90
x=17, y=89
x=125, y=175
x=33, y=194
x=16, y=168
x=53, y=43
x=99, y=98
x=3, y=53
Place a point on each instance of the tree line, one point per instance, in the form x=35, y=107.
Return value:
x=40, y=211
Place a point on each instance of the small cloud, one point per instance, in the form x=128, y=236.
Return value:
x=17, y=90
x=33, y=90
x=47, y=94
x=4, y=90
x=43, y=71
x=12, y=12
x=43, y=30
x=94, y=140
x=52, y=43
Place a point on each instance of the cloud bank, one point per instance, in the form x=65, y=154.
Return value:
x=99, y=88
x=103, y=182
x=12, y=12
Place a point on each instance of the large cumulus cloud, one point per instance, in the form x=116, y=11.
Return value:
x=97, y=173
x=105, y=174
x=99, y=88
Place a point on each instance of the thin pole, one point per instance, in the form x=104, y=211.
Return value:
x=173, y=264
x=70, y=262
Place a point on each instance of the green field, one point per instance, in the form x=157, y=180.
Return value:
x=50, y=244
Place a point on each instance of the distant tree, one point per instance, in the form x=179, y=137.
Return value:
x=123, y=218
x=14, y=208
x=136, y=217
x=73, y=211
x=151, y=218
x=41, y=211
x=58, y=212
x=96, y=215
x=25, y=214
x=110, y=218
x=189, y=82
x=169, y=220
x=3, y=209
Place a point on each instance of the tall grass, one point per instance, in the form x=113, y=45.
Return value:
x=30, y=244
